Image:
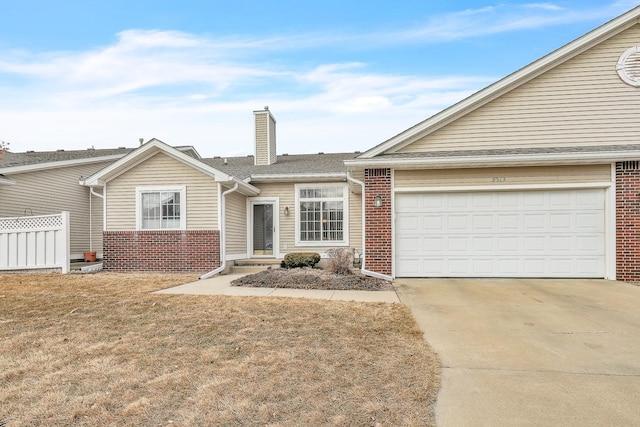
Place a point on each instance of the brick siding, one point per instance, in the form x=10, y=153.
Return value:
x=166, y=251
x=378, y=239
x=627, y=221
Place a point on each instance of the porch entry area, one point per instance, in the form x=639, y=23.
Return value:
x=263, y=216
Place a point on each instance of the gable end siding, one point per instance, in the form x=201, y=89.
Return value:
x=157, y=171
x=580, y=102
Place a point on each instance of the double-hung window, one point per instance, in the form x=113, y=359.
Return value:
x=161, y=208
x=321, y=217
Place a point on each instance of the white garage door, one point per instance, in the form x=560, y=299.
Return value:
x=557, y=233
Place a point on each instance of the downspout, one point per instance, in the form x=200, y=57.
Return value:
x=91, y=192
x=223, y=240
x=364, y=241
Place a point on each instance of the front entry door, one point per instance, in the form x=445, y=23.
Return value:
x=263, y=229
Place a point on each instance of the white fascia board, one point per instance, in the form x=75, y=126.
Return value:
x=507, y=84
x=496, y=161
x=60, y=164
x=143, y=153
x=336, y=176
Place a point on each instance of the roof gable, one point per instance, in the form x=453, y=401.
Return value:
x=150, y=149
x=507, y=85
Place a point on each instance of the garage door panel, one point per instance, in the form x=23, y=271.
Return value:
x=561, y=222
x=589, y=199
x=482, y=244
x=458, y=244
x=507, y=222
x=408, y=245
x=557, y=233
x=589, y=221
x=433, y=222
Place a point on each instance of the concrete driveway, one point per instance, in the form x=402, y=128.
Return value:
x=532, y=352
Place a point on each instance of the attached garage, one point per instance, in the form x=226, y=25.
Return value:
x=536, y=175
x=534, y=233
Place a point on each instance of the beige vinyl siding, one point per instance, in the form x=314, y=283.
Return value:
x=502, y=176
x=51, y=191
x=580, y=102
x=158, y=171
x=272, y=140
x=236, y=224
x=286, y=195
x=355, y=221
x=262, y=149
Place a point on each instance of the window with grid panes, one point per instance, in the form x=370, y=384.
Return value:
x=321, y=212
x=160, y=210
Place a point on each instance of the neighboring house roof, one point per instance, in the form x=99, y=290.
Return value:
x=294, y=167
x=11, y=159
x=507, y=84
x=12, y=163
x=153, y=147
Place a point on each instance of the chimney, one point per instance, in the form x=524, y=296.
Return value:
x=265, y=132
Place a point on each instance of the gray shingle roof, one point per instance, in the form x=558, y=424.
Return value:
x=514, y=151
x=294, y=164
x=36, y=157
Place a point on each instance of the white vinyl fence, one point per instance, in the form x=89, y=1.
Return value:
x=35, y=242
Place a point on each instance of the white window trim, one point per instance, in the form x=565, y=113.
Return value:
x=182, y=189
x=345, y=216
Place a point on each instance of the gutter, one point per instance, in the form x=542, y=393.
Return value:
x=302, y=177
x=498, y=160
x=364, y=241
x=92, y=192
x=223, y=261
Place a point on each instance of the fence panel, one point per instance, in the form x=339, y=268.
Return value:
x=35, y=242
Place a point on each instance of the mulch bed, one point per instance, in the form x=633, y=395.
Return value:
x=312, y=278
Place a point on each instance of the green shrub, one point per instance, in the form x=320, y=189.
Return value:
x=300, y=259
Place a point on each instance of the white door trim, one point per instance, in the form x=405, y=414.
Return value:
x=275, y=201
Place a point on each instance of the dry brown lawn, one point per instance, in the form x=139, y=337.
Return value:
x=99, y=349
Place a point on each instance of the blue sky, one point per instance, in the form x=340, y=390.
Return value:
x=337, y=75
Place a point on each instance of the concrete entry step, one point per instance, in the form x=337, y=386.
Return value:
x=249, y=266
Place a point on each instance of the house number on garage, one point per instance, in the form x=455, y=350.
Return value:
x=498, y=179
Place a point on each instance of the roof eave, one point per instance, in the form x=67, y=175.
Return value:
x=495, y=161
x=59, y=164
x=243, y=187
x=301, y=177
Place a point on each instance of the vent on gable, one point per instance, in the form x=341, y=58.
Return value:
x=377, y=172
x=628, y=66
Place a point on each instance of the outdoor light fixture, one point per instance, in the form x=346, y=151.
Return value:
x=377, y=201
x=286, y=211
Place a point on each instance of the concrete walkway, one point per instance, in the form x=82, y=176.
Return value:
x=221, y=285
x=520, y=352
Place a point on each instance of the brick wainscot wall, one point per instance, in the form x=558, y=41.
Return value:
x=166, y=251
x=378, y=256
x=628, y=221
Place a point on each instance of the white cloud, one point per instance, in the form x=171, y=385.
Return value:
x=188, y=89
